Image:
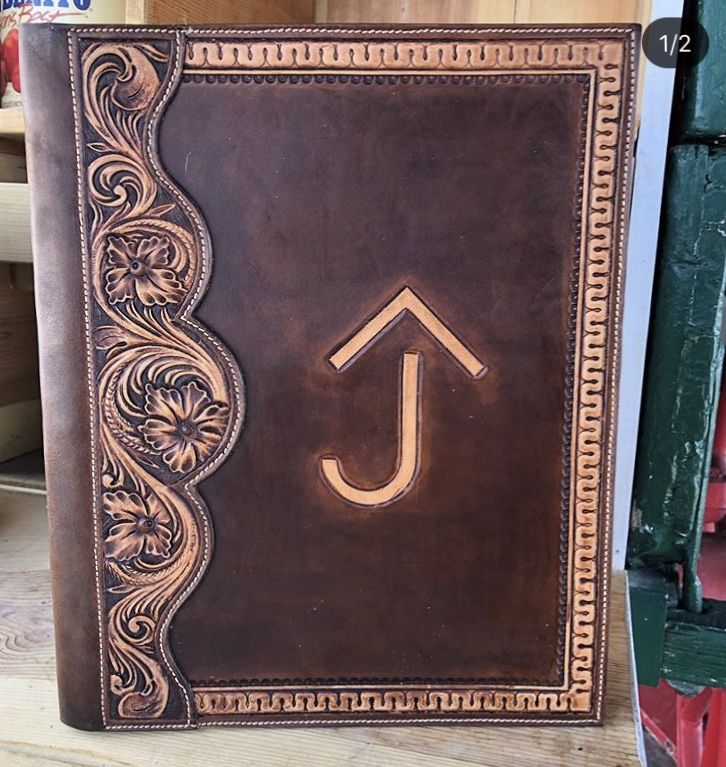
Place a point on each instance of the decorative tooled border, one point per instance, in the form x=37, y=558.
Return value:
x=453, y=80
x=132, y=700
x=606, y=60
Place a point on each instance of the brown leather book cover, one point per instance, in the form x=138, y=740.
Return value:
x=329, y=344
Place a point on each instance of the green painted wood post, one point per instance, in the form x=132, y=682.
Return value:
x=683, y=372
x=703, y=112
x=649, y=600
x=694, y=649
x=683, y=639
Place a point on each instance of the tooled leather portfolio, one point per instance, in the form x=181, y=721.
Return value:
x=328, y=327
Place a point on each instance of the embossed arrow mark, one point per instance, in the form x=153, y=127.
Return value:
x=409, y=444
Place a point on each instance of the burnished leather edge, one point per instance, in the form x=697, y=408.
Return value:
x=59, y=307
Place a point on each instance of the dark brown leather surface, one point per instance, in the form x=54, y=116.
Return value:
x=66, y=435
x=245, y=589
x=326, y=201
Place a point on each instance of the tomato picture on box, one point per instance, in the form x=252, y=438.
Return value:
x=16, y=12
x=10, y=67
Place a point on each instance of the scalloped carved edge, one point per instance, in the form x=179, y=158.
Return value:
x=166, y=402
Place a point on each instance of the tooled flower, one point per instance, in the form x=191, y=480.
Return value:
x=183, y=424
x=140, y=268
x=140, y=526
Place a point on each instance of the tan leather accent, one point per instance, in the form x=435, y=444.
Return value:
x=408, y=451
x=408, y=301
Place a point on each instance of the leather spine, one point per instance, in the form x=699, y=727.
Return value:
x=51, y=150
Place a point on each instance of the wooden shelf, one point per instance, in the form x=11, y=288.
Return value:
x=12, y=124
x=15, y=231
x=24, y=474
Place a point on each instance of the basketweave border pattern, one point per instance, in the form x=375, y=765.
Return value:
x=610, y=61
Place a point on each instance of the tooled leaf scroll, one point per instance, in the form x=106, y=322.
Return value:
x=168, y=399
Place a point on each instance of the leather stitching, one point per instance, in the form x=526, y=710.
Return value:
x=90, y=378
x=618, y=192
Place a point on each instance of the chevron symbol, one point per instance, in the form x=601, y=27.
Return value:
x=410, y=396
x=407, y=301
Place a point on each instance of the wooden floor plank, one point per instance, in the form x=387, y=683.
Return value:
x=32, y=736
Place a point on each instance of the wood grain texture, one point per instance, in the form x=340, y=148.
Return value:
x=20, y=428
x=18, y=337
x=26, y=632
x=32, y=736
x=578, y=12
x=482, y=11
x=25, y=473
x=15, y=229
x=416, y=11
x=12, y=161
x=219, y=11
x=694, y=646
x=12, y=124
